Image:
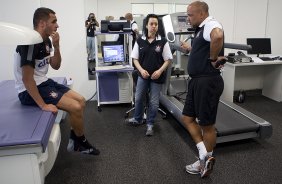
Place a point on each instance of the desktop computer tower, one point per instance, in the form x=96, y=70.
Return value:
x=125, y=87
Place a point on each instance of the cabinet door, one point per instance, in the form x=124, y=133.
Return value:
x=108, y=87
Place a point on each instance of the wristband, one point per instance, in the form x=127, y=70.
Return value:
x=212, y=60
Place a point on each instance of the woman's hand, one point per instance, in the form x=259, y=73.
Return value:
x=145, y=74
x=156, y=74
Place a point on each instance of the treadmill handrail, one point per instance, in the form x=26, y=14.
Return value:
x=237, y=46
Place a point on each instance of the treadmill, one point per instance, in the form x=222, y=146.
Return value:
x=232, y=122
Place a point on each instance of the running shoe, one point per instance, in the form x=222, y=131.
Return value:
x=194, y=168
x=207, y=166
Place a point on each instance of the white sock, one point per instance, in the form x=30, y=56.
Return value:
x=202, y=150
x=210, y=153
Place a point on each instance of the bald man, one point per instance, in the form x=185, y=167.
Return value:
x=134, y=27
x=205, y=87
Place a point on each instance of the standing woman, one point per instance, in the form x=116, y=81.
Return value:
x=151, y=56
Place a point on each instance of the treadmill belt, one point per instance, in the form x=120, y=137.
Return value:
x=229, y=121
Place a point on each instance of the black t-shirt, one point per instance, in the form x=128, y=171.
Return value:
x=38, y=57
x=91, y=29
x=133, y=34
x=31, y=53
x=198, y=64
x=150, y=56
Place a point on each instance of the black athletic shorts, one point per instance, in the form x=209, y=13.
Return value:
x=202, y=98
x=50, y=91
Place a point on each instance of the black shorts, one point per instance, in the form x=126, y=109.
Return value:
x=202, y=99
x=50, y=91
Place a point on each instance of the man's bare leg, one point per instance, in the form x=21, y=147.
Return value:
x=75, y=109
x=74, y=104
x=209, y=137
x=193, y=128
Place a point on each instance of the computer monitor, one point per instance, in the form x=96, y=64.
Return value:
x=112, y=52
x=259, y=46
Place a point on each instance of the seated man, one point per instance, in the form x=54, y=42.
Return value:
x=34, y=88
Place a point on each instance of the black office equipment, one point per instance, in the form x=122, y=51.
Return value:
x=108, y=26
x=259, y=46
x=266, y=58
x=240, y=58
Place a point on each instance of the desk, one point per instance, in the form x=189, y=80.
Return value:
x=114, y=84
x=265, y=75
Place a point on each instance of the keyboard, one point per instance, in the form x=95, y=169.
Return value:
x=113, y=67
x=266, y=58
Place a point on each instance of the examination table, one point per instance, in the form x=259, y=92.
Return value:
x=29, y=138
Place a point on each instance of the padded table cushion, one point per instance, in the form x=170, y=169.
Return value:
x=21, y=124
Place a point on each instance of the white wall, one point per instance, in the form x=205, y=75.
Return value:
x=218, y=8
x=11, y=13
x=249, y=22
x=103, y=8
x=273, y=26
x=91, y=6
x=240, y=18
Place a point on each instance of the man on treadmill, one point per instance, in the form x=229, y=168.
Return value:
x=206, y=85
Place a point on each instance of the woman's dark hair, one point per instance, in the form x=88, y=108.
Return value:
x=41, y=14
x=147, y=21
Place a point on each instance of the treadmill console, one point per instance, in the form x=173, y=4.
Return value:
x=180, y=24
x=176, y=23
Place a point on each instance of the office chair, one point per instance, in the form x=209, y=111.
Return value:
x=163, y=113
x=134, y=77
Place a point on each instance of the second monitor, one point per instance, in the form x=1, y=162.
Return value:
x=112, y=52
x=259, y=46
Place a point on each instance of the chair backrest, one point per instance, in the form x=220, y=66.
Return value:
x=135, y=76
x=166, y=84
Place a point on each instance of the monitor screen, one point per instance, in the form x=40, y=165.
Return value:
x=259, y=46
x=112, y=52
x=182, y=21
x=182, y=18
